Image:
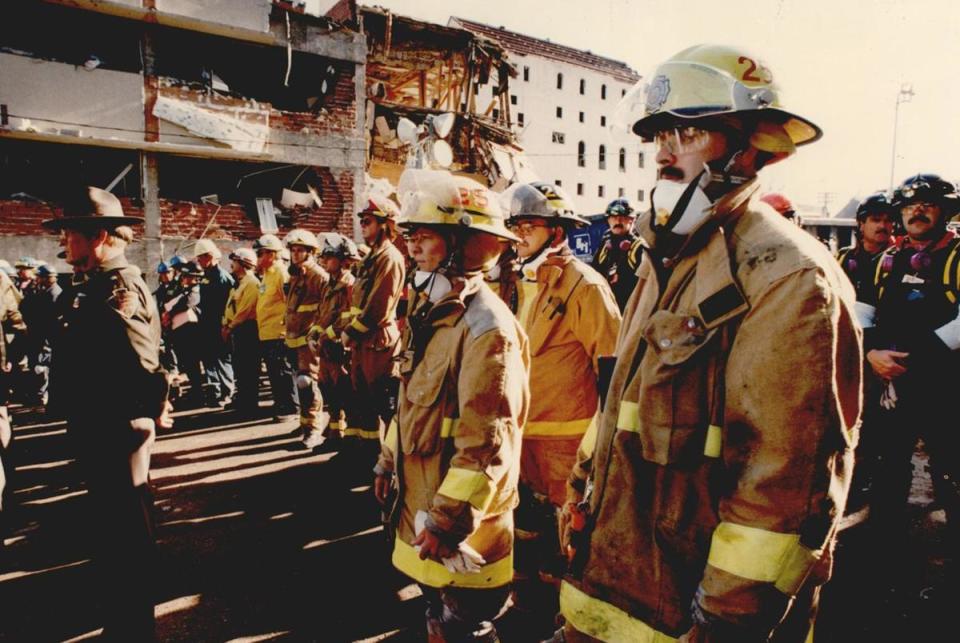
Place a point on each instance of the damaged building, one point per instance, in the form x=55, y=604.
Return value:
x=420, y=73
x=222, y=118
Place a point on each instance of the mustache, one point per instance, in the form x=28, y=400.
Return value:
x=919, y=217
x=670, y=172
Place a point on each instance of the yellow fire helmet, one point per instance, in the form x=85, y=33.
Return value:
x=437, y=197
x=301, y=237
x=713, y=80
x=382, y=207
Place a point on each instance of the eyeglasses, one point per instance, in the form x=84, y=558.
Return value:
x=368, y=220
x=681, y=140
x=916, y=208
x=525, y=228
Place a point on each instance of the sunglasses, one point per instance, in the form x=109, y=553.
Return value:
x=368, y=220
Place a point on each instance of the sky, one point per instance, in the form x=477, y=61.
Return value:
x=839, y=63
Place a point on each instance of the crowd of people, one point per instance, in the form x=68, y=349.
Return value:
x=656, y=447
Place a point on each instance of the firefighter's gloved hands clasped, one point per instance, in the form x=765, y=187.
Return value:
x=463, y=560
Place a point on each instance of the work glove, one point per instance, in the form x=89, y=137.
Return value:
x=466, y=560
x=888, y=398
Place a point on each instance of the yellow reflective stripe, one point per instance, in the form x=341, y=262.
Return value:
x=433, y=574
x=366, y=434
x=296, y=342
x=448, y=426
x=570, y=427
x=761, y=555
x=628, y=417
x=359, y=326
x=589, y=440
x=331, y=333
x=334, y=425
x=355, y=311
x=946, y=275
x=306, y=308
x=714, y=442
x=467, y=485
x=346, y=314
x=604, y=621
x=392, y=439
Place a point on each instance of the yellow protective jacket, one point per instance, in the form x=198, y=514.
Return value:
x=242, y=302
x=272, y=303
x=303, y=300
x=572, y=321
x=376, y=294
x=333, y=312
x=455, y=442
x=722, y=462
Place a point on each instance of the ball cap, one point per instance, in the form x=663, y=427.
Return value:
x=90, y=207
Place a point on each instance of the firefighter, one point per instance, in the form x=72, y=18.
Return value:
x=618, y=256
x=26, y=269
x=706, y=506
x=337, y=255
x=450, y=461
x=215, y=286
x=875, y=227
x=372, y=335
x=180, y=320
x=571, y=316
x=307, y=280
x=912, y=339
x=271, y=308
x=239, y=329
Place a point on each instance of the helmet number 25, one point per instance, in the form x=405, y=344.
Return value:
x=751, y=67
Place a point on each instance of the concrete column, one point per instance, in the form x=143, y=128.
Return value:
x=152, y=238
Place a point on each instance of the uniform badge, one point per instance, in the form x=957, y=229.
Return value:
x=123, y=301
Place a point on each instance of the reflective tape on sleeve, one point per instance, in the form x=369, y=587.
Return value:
x=467, y=485
x=628, y=417
x=714, y=443
x=604, y=621
x=356, y=324
x=306, y=308
x=761, y=555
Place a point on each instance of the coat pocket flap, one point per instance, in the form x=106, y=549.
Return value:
x=676, y=337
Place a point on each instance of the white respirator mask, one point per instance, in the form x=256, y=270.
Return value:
x=435, y=284
x=680, y=207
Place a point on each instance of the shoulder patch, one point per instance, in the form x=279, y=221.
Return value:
x=123, y=300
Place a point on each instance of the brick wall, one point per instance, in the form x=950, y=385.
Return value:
x=188, y=219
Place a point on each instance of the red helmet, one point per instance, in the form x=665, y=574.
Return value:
x=779, y=203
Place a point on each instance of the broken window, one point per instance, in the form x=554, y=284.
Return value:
x=600, y=190
x=581, y=154
x=75, y=37
x=295, y=190
x=526, y=74
x=623, y=160
x=603, y=157
x=241, y=69
x=558, y=137
x=42, y=171
x=519, y=118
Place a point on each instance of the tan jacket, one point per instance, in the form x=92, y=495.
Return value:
x=572, y=321
x=457, y=448
x=725, y=446
x=333, y=312
x=303, y=300
x=376, y=294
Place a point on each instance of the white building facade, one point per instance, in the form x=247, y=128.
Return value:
x=562, y=105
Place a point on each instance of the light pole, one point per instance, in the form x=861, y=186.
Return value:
x=905, y=95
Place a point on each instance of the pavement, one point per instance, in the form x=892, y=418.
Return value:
x=262, y=540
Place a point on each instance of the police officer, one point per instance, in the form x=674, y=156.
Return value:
x=116, y=399
x=271, y=308
x=240, y=330
x=215, y=286
x=702, y=511
x=570, y=314
x=337, y=256
x=875, y=226
x=912, y=339
x=372, y=335
x=618, y=256
x=452, y=455
x=307, y=280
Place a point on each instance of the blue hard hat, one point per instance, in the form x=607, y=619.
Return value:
x=46, y=270
x=162, y=268
x=176, y=261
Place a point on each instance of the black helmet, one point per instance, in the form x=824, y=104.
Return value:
x=339, y=246
x=928, y=187
x=876, y=203
x=620, y=208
